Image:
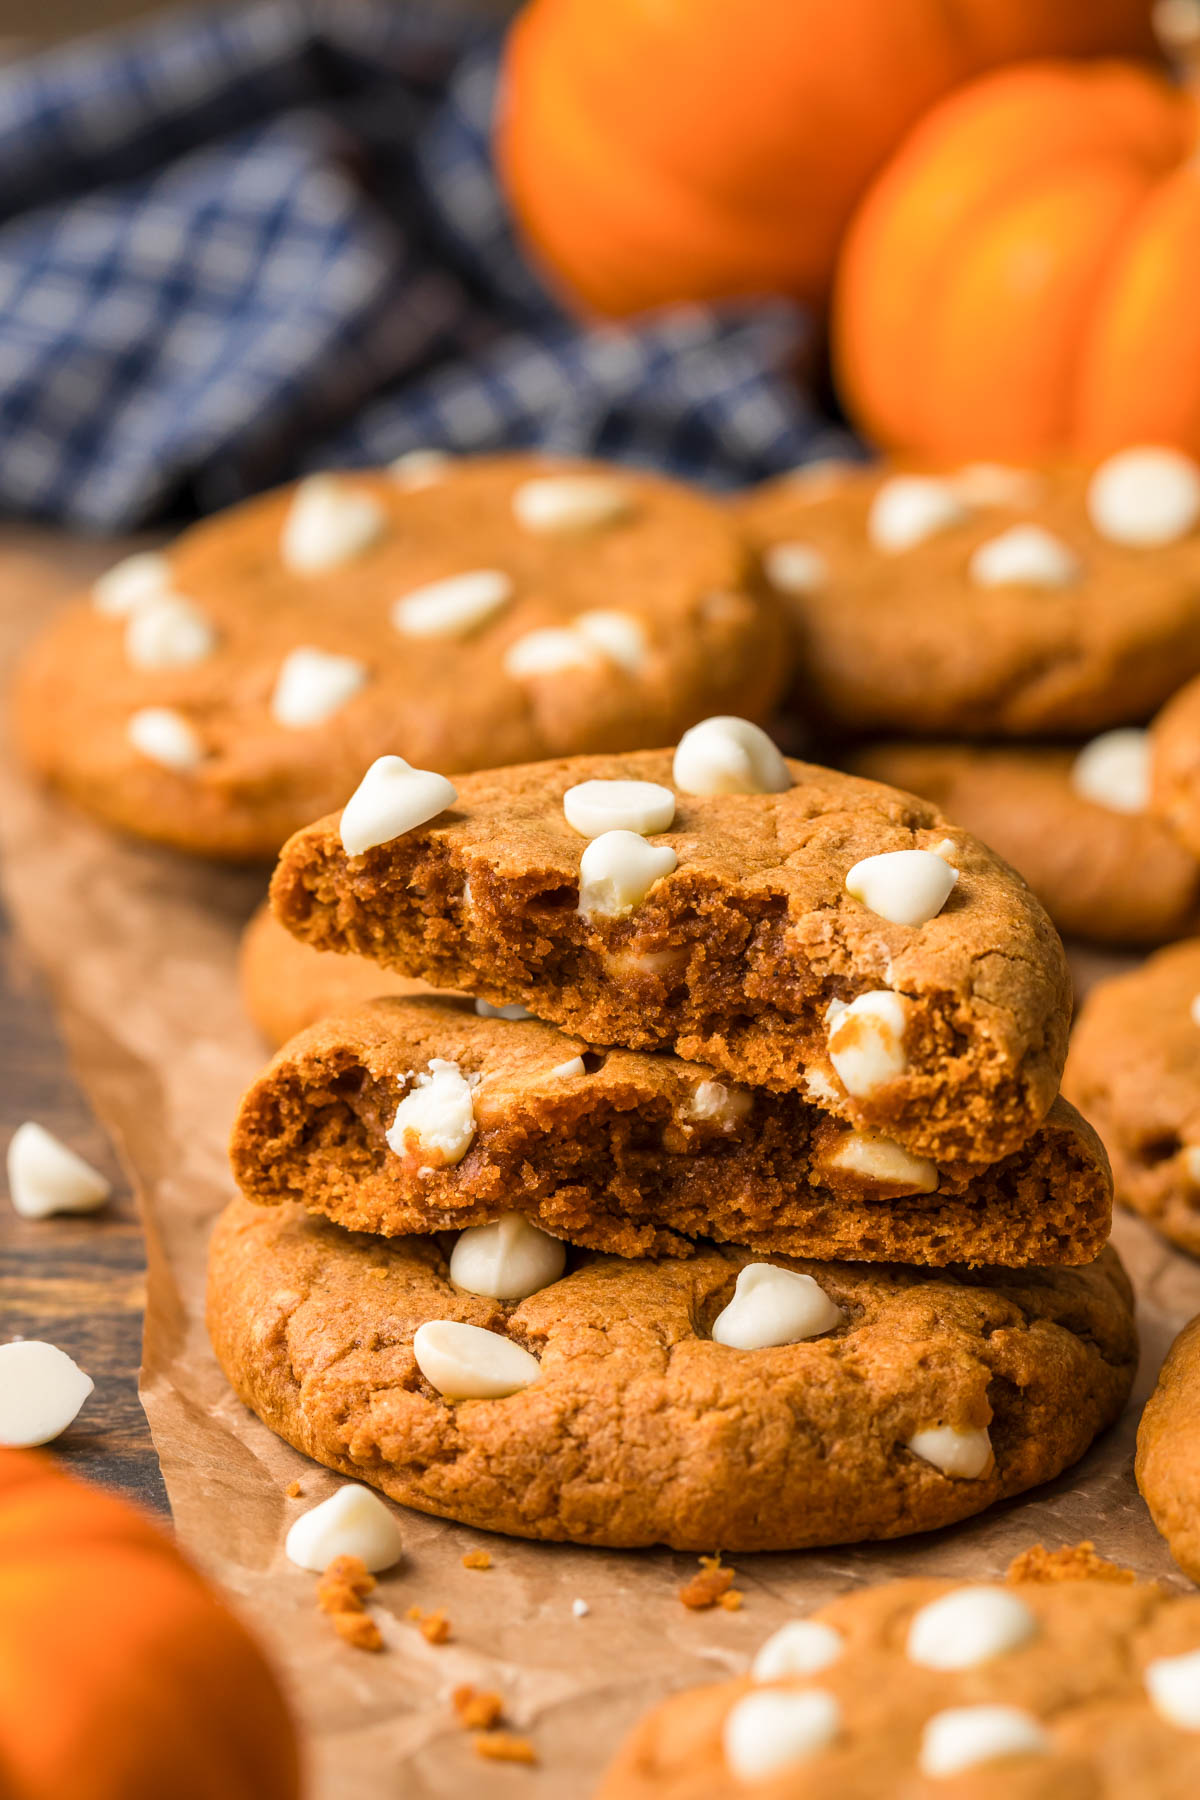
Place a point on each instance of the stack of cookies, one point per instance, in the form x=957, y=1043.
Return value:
x=735, y=1210
x=1006, y=634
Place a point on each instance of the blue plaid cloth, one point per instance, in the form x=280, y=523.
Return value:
x=241, y=243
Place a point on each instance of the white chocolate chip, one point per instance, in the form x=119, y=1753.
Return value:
x=164, y=736
x=550, y=504
x=392, y=798
x=548, y=651
x=594, y=807
x=962, y=1737
x=312, y=685
x=168, y=633
x=453, y=607
x=1024, y=556
x=465, y=1362
x=725, y=755
x=795, y=568
x=512, y=1011
x=45, y=1177
x=329, y=522
x=909, y=887
x=41, y=1392
x=419, y=468
x=996, y=484
x=1191, y=1163
x=131, y=583
x=1194, y=1009
x=580, y=1609
x=660, y=963
x=945, y=848
x=1145, y=497
x=352, y=1522
x=818, y=1086
x=773, y=1306
x=765, y=1733
x=1176, y=24
x=907, y=509
x=965, y=1455
x=866, y=1040
x=725, y=1106
x=880, y=1159
x=1173, y=1684
x=616, y=635
x=801, y=1647
x=617, y=871
x=968, y=1626
x=435, y=1121
x=1113, y=771
x=569, y=1070
x=508, y=1260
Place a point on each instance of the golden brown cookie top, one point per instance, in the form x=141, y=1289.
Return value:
x=920, y=1688
x=503, y=608
x=729, y=935
x=1168, y=1450
x=978, y=601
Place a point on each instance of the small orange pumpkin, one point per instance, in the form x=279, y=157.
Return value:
x=122, y=1676
x=1024, y=277
x=661, y=150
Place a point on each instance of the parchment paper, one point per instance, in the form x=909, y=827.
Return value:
x=139, y=948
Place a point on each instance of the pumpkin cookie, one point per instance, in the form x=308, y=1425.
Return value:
x=617, y=1405
x=1134, y=1070
x=417, y=1115
x=1175, y=765
x=221, y=695
x=1103, y=871
x=1025, y=1689
x=933, y=1008
x=984, y=601
x=286, y=986
x=1168, y=1451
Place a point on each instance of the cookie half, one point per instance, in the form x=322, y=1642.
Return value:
x=1134, y=1071
x=976, y=602
x=630, y=1152
x=639, y=1428
x=221, y=696
x=1168, y=1451
x=1024, y=1690
x=1108, y=875
x=743, y=955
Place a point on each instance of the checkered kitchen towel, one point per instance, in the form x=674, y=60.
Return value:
x=237, y=244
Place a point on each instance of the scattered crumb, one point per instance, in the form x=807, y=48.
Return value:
x=477, y=1559
x=711, y=1587
x=293, y=1490
x=380, y=1271
x=477, y=1709
x=502, y=1746
x=434, y=1626
x=580, y=1608
x=344, y=1585
x=1075, y=1562
x=731, y=1600
x=357, y=1628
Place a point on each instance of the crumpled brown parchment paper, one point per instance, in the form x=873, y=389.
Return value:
x=139, y=947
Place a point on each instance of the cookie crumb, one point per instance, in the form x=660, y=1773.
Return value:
x=344, y=1585
x=293, y=1490
x=1074, y=1562
x=478, y=1709
x=477, y=1559
x=731, y=1600
x=580, y=1608
x=710, y=1586
x=502, y=1746
x=358, y=1629
x=433, y=1626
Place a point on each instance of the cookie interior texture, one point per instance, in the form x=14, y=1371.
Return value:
x=1168, y=1451
x=1110, y=877
x=714, y=642
x=1080, y=1672
x=640, y=1429
x=734, y=958
x=1134, y=1070
x=906, y=641
x=632, y=1153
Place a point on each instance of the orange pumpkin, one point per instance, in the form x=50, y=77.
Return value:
x=660, y=150
x=122, y=1676
x=1024, y=277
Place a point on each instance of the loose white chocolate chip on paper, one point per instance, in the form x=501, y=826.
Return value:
x=907, y=887
x=594, y=807
x=41, y=1392
x=1173, y=1685
x=419, y=468
x=435, y=1121
x=164, y=736
x=768, y=1731
x=963, y=1737
x=168, y=633
x=908, y=509
x=131, y=583
x=1113, y=771
x=392, y=798
x=550, y=504
x=45, y=1177
x=508, y=1260
x=453, y=607
x=580, y=1609
x=968, y=1626
x=329, y=522
x=793, y=568
x=773, y=1306
x=1145, y=497
x=801, y=1647
x=465, y=1362
x=352, y=1522
x=964, y=1455
x=866, y=1040
x=1024, y=556
x=617, y=871
x=312, y=685
x=880, y=1159
x=726, y=755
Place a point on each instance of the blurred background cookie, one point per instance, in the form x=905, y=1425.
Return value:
x=1168, y=1450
